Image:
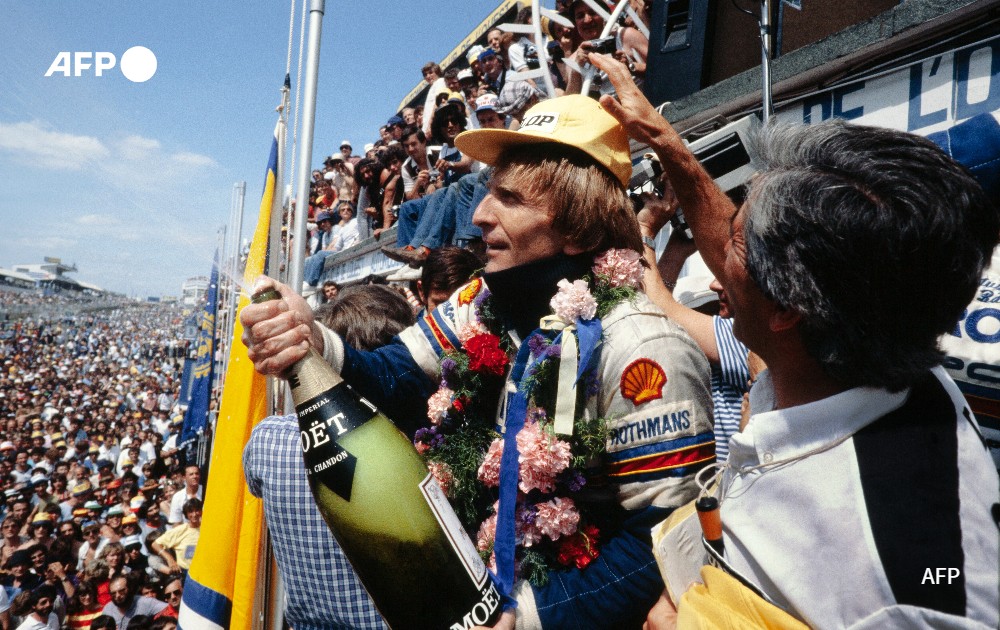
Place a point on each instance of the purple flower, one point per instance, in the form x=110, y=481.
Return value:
x=553, y=351
x=482, y=297
x=573, y=480
x=448, y=366
x=527, y=515
x=429, y=436
x=537, y=343
x=593, y=384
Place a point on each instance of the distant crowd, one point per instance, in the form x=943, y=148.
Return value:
x=100, y=515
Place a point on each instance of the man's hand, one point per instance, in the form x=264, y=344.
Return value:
x=279, y=332
x=657, y=211
x=631, y=108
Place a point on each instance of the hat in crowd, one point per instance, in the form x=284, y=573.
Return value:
x=37, y=434
x=486, y=102
x=114, y=484
x=473, y=54
x=345, y=143
x=486, y=54
x=456, y=97
x=395, y=121
x=178, y=420
x=81, y=489
x=324, y=216
x=116, y=510
x=130, y=519
x=466, y=75
x=92, y=505
x=59, y=444
x=369, y=146
x=693, y=291
x=43, y=518
x=7, y=446
x=93, y=449
x=81, y=512
x=127, y=462
x=336, y=157
x=515, y=97
x=87, y=526
x=10, y=493
x=405, y=274
x=573, y=120
x=131, y=541
x=39, y=479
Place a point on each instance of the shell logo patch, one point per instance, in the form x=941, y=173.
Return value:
x=470, y=292
x=642, y=381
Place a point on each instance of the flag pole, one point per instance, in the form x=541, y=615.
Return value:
x=297, y=258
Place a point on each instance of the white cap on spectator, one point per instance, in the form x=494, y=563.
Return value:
x=369, y=147
x=486, y=102
x=465, y=74
x=473, y=54
x=345, y=143
x=694, y=291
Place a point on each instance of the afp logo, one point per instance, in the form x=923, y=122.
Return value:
x=138, y=64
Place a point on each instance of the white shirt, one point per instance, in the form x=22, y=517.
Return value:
x=30, y=623
x=177, y=505
x=797, y=524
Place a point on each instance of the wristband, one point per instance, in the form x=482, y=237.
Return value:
x=649, y=242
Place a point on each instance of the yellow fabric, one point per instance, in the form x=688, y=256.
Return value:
x=232, y=524
x=723, y=603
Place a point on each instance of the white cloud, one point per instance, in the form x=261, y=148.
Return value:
x=50, y=243
x=36, y=143
x=192, y=159
x=137, y=147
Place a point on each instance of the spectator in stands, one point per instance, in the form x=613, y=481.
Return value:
x=494, y=73
x=173, y=591
x=40, y=603
x=83, y=606
x=125, y=604
x=347, y=234
x=486, y=113
x=435, y=79
x=192, y=490
x=416, y=170
x=493, y=37
x=409, y=116
x=395, y=128
x=370, y=179
x=345, y=151
x=392, y=161
x=330, y=291
x=449, y=121
x=177, y=545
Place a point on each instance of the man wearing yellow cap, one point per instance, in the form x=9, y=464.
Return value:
x=606, y=401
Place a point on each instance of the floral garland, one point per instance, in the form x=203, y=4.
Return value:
x=463, y=450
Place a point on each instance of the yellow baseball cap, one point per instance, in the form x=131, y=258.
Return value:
x=573, y=120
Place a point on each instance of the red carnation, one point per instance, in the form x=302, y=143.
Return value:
x=580, y=549
x=485, y=355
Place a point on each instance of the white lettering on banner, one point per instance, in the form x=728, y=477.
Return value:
x=481, y=612
x=333, y=461
x=921, y=98
x=937, y=575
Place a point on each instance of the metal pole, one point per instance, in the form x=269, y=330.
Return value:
x=297, y=259
x=765, y=53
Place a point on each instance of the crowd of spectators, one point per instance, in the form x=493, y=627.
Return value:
x=100, y=514
x=395, y=180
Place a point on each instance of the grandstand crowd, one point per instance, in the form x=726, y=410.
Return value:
x=394, y=178
x=100, y=516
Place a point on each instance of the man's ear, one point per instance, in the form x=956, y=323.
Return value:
x=782, y=319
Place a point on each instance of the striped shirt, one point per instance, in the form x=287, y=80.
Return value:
x=729, y=382
x=323, y=592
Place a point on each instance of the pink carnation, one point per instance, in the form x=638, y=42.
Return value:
x=469, y=330
x=438, y=404
x=573, y=301
x=541, y=457
x=558, y=517
x=489, y=470
x=487, y=533
x=442, y=473
x=621, y=267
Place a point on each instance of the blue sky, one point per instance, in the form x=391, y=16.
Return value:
x=131, y=181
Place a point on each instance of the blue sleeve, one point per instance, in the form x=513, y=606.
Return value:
x=391, y=379
x=616, y=590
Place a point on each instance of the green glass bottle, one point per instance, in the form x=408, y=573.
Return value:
x=385, y=509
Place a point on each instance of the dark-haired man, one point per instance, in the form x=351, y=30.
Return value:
x=556, y=200
x=861, y=467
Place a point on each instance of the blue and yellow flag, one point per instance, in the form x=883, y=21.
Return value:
x=219, y=592
x=196, y=415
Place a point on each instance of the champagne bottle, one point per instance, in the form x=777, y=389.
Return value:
x=388, y=513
